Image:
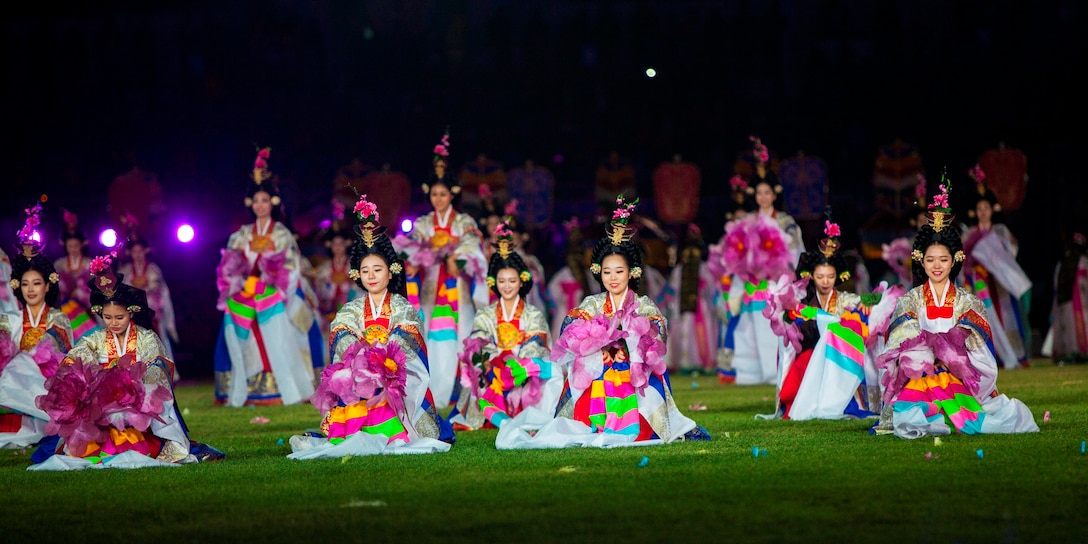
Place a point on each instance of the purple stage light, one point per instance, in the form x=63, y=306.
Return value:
x=186, y=233
x=36, y=236
x=108, y=238
x=406, y=225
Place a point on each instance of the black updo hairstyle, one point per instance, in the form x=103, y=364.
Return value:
x=947, y=236
x=261, y=182
x=382, y=246
x=131, y=298
x=628, y=250
x=21, y=265
x=513, y=260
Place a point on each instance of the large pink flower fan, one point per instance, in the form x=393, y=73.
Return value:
x=650, y=350
x=274, y=270
x=69, y=403
x=125, y=400
x=585, y=336
x=753, y=249
x=784, y=295
x=230, y=275
x=880, y=314
x=387, y=362
x=468, y=359
x=418, y=253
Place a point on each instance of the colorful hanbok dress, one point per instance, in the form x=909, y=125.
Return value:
x=521, y=383
x=270, y=347
x=30, y=350
x=755, y=250
x=826, y=365
x=374, y=397
x=75, y=296
x=993, y=275
x=617, y=389
x=939, y=372
x=447, y=303
x=100, y=369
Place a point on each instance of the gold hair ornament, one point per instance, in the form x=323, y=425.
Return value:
x=525, y=275
x=97, y=308
x=844, y=275
x=595, y=268
x=133, y=308
x=396, y=268
x=353, y=274
x=917, y=255
x=14, y=283
x=636, y=272
x=54, y=277
x=959, y=257
x=491, y=281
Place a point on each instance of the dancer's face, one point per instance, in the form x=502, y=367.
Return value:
x=823, y=276
x=374, y=274
x=33, y=287
x=117, y=317
x=615, y=274
x=508, y=283
x=937, y=262
x=262, y=205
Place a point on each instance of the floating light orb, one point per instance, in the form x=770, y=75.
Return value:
x=186, y=234
x=651, y=73
x=406, y=225
x=108, y=238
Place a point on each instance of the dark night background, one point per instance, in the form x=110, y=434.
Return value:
x=187, y=89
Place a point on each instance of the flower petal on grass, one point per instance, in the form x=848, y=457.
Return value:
x=259, y=420
x=1046, y=416
x=645, y=461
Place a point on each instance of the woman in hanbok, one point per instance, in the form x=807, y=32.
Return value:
x=506, y=371
x=759, y=247
x=612, y=348
x=994, y=276
x=33, y=340
x=1067, y=339
x=690, y=302
x=72, y=269
x=825, y=368
x=270, y=348
x=445, y=266
x=489, y=223
x=7, y=302
x=939, y=370
x=374, y=397
x=111, y=401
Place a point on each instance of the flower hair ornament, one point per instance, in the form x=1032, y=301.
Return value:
x=619, y=229
x=506, y=242
x=939, y=212
x=829, y=245
x=442, y=155
x=368, y=227
x=101, y=270
x=261, y=173
x=30, y=240
x=978, y=175
x=759, y=151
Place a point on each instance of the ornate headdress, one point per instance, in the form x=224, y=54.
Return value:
x=505, y=242
x=619, y=229
x=105, y=279
x=940, y=213
x=368, y=227
x=336, y=224
x=442, y=153
x=261, y=173
x=759, y=151
x=30, y=240
x=939, y=218
x=829, y=245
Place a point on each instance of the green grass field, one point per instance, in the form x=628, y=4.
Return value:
x=816, y=481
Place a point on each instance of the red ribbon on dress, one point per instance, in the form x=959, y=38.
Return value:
x=938, y=312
